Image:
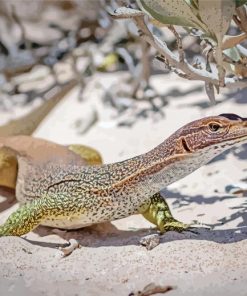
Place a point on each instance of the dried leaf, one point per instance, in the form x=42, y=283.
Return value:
x=230, y=68
x=152, y=289
x=231, y=41
x=241, y=18
x=124, y=12
x=209, y=87
x=238, y=69
x=241, y=70
x=176, y=12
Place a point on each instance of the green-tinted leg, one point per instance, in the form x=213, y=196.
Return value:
x=23, y=220
x=30, y=215
x=159, y=214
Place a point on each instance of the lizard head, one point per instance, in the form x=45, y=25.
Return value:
x=212, y=135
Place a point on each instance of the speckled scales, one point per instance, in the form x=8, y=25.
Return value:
x=76, y=196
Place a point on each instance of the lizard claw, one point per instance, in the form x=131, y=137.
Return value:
x=196, y=227
x=65, y=251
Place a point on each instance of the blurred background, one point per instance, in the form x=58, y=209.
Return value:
x=71, y=73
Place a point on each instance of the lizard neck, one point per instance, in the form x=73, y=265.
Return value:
x=162, y=166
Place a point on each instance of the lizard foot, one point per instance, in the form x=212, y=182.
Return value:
x=178, y=226
x=65, y=251
x=174, y=225
x=159, y=214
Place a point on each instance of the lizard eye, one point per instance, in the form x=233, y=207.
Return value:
x=214, y=127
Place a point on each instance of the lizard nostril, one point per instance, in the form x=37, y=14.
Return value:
x=185, y=145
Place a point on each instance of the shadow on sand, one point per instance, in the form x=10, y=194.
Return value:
x=94, y=239
x=106, y=234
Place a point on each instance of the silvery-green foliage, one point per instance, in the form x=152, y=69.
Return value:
x=211, y=17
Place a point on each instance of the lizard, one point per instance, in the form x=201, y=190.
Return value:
x=39, y=151
x=74, y=196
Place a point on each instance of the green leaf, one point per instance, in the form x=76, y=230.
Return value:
x=240, y=2
x=242, y=50
x=173, y=12
x=217, y=15
x=233, y=53
x=193, y=5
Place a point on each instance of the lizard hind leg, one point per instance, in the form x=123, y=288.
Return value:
x=23, y=220
x=159, y=214
x=30, y=215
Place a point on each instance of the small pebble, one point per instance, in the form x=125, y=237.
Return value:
x=150, y=241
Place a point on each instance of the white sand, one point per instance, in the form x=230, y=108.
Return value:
x=111, y=261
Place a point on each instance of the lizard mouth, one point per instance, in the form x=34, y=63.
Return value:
x=234, y=141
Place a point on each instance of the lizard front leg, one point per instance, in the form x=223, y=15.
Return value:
x=159, y=214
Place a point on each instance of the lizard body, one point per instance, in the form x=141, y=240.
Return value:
x=72, y=196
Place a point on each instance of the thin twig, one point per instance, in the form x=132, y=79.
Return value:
x=146, y=66
x=21, y=26
x=179, y=43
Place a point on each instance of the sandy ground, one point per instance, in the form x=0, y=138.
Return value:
x=111, y=261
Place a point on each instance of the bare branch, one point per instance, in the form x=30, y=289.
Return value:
x=242, y=15
x=179, y=43
x=173, y=60
x=146, y=66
